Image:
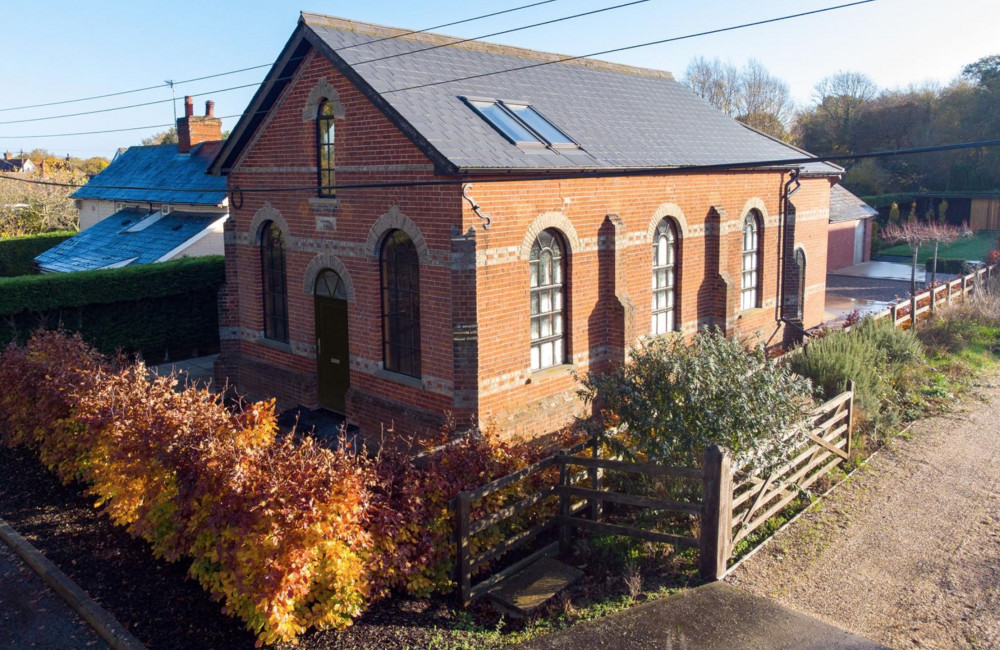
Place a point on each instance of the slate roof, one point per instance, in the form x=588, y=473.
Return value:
x=622, y=117
x=109, y=244
x=844, y=206
x=134, y=175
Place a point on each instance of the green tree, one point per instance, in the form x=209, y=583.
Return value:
x=163, y=137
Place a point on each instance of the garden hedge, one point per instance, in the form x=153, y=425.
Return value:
x=156, y=309
x=953, y=266
x=17, y=254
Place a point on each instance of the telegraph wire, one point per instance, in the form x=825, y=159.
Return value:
x=268, y=65
x=631, y=47
x=253, y=85
x=507, y=70
x=465, y=177
x=506, y=31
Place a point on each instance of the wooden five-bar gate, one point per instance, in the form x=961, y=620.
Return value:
x=733, y=503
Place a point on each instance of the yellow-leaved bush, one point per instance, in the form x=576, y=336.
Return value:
x=288, y=534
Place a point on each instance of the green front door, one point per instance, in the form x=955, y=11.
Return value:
x=332, y=352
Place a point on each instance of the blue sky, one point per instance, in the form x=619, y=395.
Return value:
x=66, y=50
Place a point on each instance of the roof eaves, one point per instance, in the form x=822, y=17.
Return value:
x=837, y=169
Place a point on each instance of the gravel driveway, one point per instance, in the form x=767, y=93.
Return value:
x=907, y=552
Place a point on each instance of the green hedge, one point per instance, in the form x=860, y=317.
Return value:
x=156, y=309
x=953, y=266
x=17, y=254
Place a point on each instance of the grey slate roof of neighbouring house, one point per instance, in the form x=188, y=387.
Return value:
x=109, y=243
x=138, y=173
x=844, y=206
x=622, y=117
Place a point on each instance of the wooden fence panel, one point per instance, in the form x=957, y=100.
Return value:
x=755, y=499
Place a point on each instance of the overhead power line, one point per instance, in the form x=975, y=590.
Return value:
x=632, y=47
x=129, y=128
x=122, y=108
x=268, y=65
x=507, y=70
x=560, y=175
x=253, y=85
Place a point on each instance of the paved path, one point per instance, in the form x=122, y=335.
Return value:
x=33, y=616
x=713, y=617
x=907, y=552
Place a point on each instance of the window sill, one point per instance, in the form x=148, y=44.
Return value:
x=399, y=378
x=551, y=371
x=276, y=345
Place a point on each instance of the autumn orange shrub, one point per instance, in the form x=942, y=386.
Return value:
x=288, y=534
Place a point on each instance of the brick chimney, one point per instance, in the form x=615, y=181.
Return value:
x=6, y=155
x=194, y=129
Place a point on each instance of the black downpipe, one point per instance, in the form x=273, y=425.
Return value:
x=782, y=253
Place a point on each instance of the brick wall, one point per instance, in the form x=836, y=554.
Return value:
x=474, y=282
x=609, y=294
x=841, y=244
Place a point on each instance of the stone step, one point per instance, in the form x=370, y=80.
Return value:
x=533, y=586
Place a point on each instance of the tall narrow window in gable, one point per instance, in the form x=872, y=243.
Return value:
x=664, y=278
x=547, y=301
x=750, y=295
x=272, y=264
x=325, y=148
x=400, y=304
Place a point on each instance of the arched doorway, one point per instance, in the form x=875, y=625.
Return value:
x=333, y=359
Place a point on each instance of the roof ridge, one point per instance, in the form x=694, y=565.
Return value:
x=384, y=31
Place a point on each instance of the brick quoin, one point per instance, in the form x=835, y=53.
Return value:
x=474, y=301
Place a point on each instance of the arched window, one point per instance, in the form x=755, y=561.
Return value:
x=400, y=304
x=329, y=285
x=547, y=301
x=326, y=160
x=751, y=261
x=272, y=265
x=800, y=278
x=664, y=278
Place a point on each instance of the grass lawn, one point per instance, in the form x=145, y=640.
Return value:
x=973, y=248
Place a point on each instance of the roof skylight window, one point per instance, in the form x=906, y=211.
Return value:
x=520, y=123
x=540, y=125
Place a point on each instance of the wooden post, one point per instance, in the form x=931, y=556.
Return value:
x=850, y=417
x=947, y=297
x=716, y=513
x=564, y=528
x=462, y=515
x=892, y=309
x=595, y=480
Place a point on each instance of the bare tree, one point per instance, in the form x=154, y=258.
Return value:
x=752, y=95
x=915, y=234
x=716, y=82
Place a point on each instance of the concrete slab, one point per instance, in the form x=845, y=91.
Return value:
x=533, y=586
x=883, y=270
x=716, y=616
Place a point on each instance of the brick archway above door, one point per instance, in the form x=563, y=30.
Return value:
x=327, y=261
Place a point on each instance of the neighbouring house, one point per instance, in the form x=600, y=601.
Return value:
x=152, y=204
x=850, y=235
x=421, y=233
x=21, y=165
